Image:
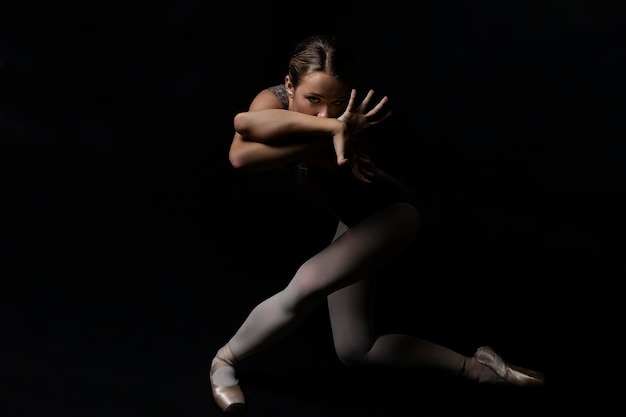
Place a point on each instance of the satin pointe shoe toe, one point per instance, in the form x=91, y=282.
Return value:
x=229, y=399
x=507, y=374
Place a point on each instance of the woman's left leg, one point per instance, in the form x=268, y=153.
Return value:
x=351, y=315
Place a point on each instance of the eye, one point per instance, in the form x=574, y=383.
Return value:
x=313, y=99
x=339, y=102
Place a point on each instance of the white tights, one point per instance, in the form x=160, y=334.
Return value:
x=343, y=273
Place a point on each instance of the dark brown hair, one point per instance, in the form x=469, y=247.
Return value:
x=322, y=53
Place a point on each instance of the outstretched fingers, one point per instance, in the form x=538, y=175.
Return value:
x=350, y=108
x=372, y=115
x=366, y=101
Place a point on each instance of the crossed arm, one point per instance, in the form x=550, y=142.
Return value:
x=268, y=137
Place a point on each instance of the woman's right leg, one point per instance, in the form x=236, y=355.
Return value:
x=344, y=261
x=336, y=266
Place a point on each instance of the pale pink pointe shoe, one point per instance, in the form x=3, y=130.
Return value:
x=507, y=374
x=229, y=399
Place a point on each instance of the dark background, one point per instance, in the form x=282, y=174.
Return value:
x=131, y=250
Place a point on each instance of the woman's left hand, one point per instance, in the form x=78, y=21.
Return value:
x=355, y=121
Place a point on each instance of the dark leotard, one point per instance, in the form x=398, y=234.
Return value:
x=339, y=190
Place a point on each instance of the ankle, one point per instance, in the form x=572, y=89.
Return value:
x=222, y=372
x=475, y=371
x=225, y=355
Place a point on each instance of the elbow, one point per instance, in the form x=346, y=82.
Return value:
x=240, y=157
x=245, y=160
x=236, y=154
x=240, y=123
x=241, y=163
x=236, y=160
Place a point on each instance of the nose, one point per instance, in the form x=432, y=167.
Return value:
x=322, y=111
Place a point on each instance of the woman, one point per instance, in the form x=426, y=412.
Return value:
x=313, y=129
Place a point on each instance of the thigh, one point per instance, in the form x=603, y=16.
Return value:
x=351, y=310
x=359, y=251
x=351, y=307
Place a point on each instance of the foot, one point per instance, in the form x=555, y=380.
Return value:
x=503, y=373
x=226, y=393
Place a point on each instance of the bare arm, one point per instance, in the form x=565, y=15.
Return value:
x=257, y=156
x=267, y=136
x=279, y=127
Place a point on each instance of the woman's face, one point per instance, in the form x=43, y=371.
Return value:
x=318, y=94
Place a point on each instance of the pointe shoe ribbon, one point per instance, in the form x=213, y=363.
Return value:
x=229, y=399
x=508, y=374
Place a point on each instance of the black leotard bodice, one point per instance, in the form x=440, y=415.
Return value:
x=339, y=190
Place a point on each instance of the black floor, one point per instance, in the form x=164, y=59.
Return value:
x=134, y=336
x=149, y=357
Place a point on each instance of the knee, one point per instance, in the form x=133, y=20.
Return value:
x=412, y=218
x=352, y=357
x=304, y=288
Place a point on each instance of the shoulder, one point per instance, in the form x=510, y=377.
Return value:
x=280, y=92
x=266, y=99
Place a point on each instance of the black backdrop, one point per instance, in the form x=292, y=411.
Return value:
x=131, y=249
